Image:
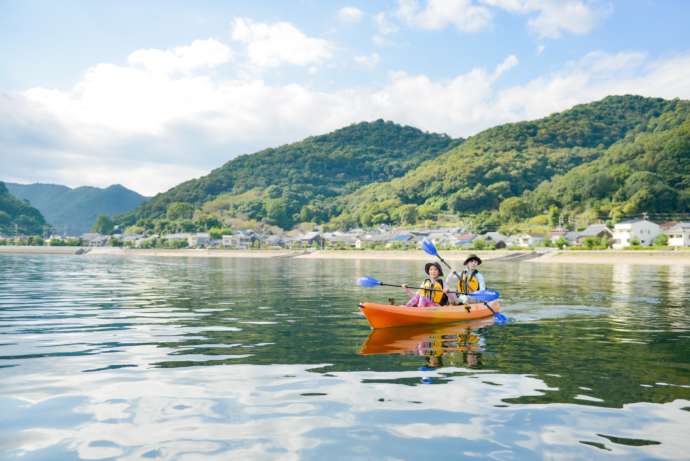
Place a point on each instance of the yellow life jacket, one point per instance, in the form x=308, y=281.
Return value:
x=439, y=297
x=468, y=283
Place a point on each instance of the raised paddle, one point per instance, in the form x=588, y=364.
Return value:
x=430, y=248
x=483, y=295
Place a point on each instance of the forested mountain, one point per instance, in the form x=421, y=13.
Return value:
x=17, y=216
x=614, y=157
x=298, y=182
x=74, y=211
x=505, y=161
x=647, y=172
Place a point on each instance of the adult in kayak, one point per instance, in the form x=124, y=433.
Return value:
x=431, y=292
x=470, y=280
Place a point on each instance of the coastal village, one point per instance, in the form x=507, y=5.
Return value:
x=627, y=234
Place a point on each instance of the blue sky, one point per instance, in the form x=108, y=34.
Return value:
x=149, y=94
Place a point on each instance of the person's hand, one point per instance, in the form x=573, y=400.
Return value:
x=404, y=285
x=463, y=298
x=445, y=290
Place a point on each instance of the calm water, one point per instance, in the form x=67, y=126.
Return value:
x=216, y=359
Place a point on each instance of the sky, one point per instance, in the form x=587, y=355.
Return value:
x=152, y=93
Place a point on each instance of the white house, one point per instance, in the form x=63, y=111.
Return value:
x=241, y=240
x=594, y=230
x=527, y=240
x=93, y=239
x=200, y=239
x=679, y=235
x=496, y=237
x=642, y=230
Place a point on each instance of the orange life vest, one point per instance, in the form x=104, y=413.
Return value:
x=468, y=283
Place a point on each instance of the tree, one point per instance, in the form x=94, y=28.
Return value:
x=561, y=242
x=179, y=210
x=408, y=214
x=215, y=233
x=104, y=225
x=514, y=209
x=661, y=240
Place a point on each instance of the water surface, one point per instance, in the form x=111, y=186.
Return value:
x=192, y=358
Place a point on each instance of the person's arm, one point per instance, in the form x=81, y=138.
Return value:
x=480, y=279
x=407, y=289
x=452, y=298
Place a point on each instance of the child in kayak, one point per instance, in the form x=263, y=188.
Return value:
x=470, y=281
x=425, y=297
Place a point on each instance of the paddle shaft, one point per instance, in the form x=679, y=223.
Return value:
x=427, y=289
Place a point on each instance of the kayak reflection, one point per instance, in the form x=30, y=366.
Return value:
x=457, y=344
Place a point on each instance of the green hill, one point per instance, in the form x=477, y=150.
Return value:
x=505, y=161
x=296, y=182
x=647, y=172
x=74, y=211
x=614, y=157
x=17, y=216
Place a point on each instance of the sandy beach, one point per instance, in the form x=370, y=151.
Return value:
x=636, y=257
x=640, y=257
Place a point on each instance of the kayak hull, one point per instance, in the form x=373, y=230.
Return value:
x=387, y=315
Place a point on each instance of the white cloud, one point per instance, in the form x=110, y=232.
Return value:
x=350, y=14
x=369, y=61
x=438, y=14
x=554, y=17
x=384, y=28
x=548, y=18
x=509, y=62
x=150, y=131
x=271, y=45
x=593, y=77
x=201, y=54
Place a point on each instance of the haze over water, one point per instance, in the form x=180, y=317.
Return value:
x=192, y=358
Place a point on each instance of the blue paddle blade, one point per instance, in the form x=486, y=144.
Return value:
x=485, y=295
x=367, y=282
x=500, y=318
x=429, y=248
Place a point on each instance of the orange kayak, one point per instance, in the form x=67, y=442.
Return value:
x=387, y=315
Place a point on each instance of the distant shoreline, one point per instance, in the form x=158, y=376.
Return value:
x=636, y=257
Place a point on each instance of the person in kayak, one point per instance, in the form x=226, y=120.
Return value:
x=471, y=280
x=425, y=297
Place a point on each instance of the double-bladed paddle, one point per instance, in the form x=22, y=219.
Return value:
x=483, y=295
x=429, y=247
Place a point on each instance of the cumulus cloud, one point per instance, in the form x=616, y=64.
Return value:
x=438, y=14
x=201, y=54
x=152, y=130
x=350, y=14
x=278, y=43
x=384, y=28
x=554, y=17
x=548, y=18
x=369, y=61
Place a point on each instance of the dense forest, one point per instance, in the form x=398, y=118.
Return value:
x=605, y=160
x=17, y=216
x=296, y=182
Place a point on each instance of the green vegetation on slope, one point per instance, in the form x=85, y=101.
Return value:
x=18, y=216
x=618, y=156
x=297, y=182
x=648, y=171
x=504, y=162
x=74, y=211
